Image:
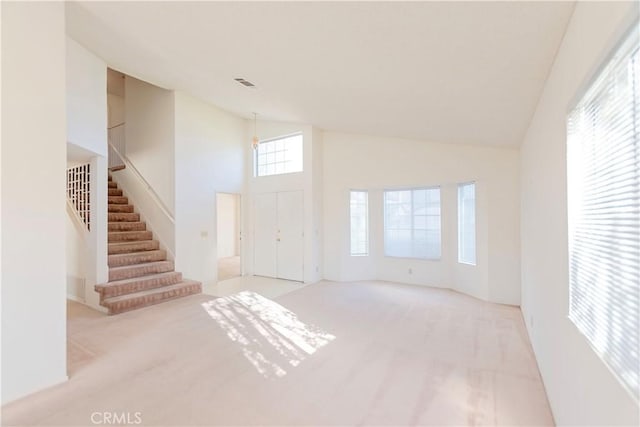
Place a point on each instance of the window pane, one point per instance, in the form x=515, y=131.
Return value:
x=412, y=223
x=467, y=223
x=359, y=223
x=278, y=156
x=603, y=180
x=279, y=168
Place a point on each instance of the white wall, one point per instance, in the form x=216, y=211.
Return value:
x=376, y=163
x=97, y=270
x=86, y=89
x=210, y=151
x=503, y=231
x=86, y=79
x=33, y=197
x=228, y=224
x=116, y=109
x=115, y=97
x=581, y=389
x=76, y=254
x=150, y=133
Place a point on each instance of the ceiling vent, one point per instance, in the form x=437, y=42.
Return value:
x=244, y=82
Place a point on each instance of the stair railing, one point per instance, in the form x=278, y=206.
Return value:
x=79, y=192
x=128, y=165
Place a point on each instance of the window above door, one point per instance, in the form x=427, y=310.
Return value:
x=278, y=156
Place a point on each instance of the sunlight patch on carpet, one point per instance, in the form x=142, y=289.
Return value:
x=271, y=336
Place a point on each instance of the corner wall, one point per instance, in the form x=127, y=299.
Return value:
x=580, y=388
x=209, y=158
x=33, y=197
x=150, y=132
x=371, y=163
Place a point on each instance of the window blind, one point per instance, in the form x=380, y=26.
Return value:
x=412, y=223
x=359, y=207
x=603, y=162
x=467, y=223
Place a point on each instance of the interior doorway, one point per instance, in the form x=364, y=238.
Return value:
x=229, y=235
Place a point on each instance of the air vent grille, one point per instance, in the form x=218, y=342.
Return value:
x=244, y=82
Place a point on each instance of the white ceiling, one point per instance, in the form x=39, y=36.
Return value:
x=458, y=72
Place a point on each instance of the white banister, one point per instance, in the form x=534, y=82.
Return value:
x=79, y=192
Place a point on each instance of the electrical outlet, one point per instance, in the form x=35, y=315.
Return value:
x=410, y=270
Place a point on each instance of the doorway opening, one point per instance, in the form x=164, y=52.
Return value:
x=229, y=237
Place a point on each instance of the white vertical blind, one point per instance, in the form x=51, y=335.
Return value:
x=412, y=223
x=359, y=207
x=603, y=163
x=467, y=223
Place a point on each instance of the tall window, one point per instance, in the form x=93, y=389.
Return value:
x=467, y=223
x=603, y=157
x=412, y=223
x=359, y=223
x=279, y=155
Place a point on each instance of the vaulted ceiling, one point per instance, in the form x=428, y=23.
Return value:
x=454, y=72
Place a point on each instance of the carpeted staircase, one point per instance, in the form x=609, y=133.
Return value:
x=139, y=272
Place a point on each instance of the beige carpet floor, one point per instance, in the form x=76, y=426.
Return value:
x=366, y=353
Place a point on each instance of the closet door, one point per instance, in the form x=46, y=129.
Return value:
x=264, y=234
x=290, y=235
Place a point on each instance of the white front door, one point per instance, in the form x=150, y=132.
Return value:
x=290, y=240
x=279, y=235
x=265, y=234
